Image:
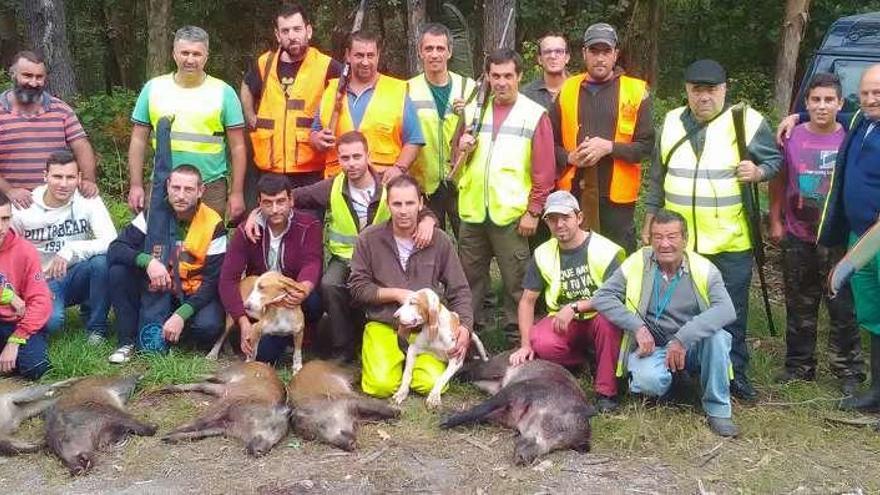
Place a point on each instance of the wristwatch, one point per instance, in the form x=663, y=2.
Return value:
x=533, y=214
x=574, y=307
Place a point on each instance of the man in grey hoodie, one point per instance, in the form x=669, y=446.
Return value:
x=672, y=303
x=71, y=233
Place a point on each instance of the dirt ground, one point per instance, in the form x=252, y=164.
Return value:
x=408, y=456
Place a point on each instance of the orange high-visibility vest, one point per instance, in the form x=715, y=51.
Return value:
x=194, y=250
x=626, y=176
x=382, y=123
x=284, y=118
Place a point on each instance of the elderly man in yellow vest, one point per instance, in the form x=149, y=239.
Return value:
x=568, y=269
x=673, y=306
x=280, y=95
x=503, y=185
x=439, y=97
x=208, y=122
x=374, y=104
x=603, y=128
x=697, y=171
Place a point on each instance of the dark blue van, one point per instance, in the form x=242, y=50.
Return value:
x=849, y=47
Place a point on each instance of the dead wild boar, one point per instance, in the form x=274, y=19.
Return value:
x=17, y=406
x=325, y=408
x=539, y=399
x=89, y=417
x=249, y=406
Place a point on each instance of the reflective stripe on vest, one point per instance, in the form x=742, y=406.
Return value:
x=600, y=253
x=432, y=163
x=198, y=128
x=626, y=176
x=194, y=251
x=284, y=118
x=382, y=123
x=507, y=159
x=638, y=292
x=342, y=226
x=705, y=190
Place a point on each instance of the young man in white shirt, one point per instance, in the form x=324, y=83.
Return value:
x=71, y=233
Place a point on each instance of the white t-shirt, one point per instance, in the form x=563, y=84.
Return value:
x=405, y=248
x=272, y=260
x=360, y=202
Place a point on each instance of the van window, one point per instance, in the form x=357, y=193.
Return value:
x=850, y=73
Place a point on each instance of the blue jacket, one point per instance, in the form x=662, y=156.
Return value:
x=834, y=229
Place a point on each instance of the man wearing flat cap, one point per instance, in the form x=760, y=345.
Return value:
x=603, y=129
x=697, y=171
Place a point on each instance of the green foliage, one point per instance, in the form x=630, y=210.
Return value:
x=105, y=118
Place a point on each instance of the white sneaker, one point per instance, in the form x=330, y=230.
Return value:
x=121, y=355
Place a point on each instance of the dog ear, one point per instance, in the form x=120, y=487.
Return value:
x=432, y=308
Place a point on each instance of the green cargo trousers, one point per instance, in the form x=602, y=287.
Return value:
x=478, y=243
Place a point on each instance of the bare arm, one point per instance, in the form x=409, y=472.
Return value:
x=247, y=105
x=85, y=158
x=136, y=153
x=238, y=153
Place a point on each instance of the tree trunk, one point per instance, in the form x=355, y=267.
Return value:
x=415, y=19
x=158, y=37
x=46, y=32
x=796, y=14
x=495, y=14
x=119, y=40
x=640, y=42
x=9, y=42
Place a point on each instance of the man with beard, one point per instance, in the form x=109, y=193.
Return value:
x=439, y=97
x=35, y=124
x=603, y=130
x=374, y=104
x=280, y=96
x=553, y=56
x=207, y=131
x=192, y=276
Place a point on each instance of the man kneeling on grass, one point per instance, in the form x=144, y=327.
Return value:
x=673, y=302
x=71, y=233
x=201, y=241
x=25, y=303
x=385, y=270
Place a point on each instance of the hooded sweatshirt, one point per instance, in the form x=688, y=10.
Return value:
x=80, y=229
x=20, y=272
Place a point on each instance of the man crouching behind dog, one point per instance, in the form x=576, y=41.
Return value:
x=675, y=305
x=385, y=270
x=290, y=243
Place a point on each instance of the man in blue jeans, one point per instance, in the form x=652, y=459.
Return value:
x=191, y=278
x=673, y=304
x=25, y=303
x=71, y=233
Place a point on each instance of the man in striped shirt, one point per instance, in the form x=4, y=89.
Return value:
x=33, y=125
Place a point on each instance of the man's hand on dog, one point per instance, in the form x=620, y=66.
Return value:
x=645, y=341
x=295, y=297
x=462, y=342
x=172, y=328
x=160, y=279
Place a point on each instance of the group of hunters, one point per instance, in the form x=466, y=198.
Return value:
x=357, y=203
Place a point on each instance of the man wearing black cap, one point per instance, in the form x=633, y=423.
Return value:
x=603, y=130
x=697, y=172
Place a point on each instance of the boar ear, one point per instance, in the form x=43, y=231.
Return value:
x=591, y=411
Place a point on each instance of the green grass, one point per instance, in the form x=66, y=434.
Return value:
x=787, y=442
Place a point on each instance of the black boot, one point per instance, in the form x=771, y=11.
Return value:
x=870, y=400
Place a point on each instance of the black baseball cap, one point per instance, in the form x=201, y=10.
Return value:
x=705, y=71
x=600, y=33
